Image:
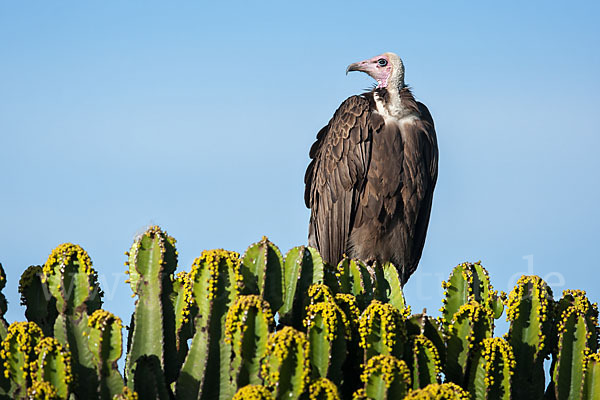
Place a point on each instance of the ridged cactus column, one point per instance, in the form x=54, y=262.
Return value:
x=53, y=365
x=152, y=261
x=105, y=340
x=491, y=370
x=262, y=263
x=216, y=281
x=425, y=362
x=18, y=355
x=74, y=284
x=286, y=367
x=591, y=383
x=530, y=309
x=385, y=377
x=382, y=330
x=247, y=327
x=36, y=297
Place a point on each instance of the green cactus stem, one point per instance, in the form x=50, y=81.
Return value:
x=105, y=342
x=386, y=377
x=286, y=368
x=470, y=325
x=389, y=287
x=303, y=267
x=469, y=282
x=382, y=330
x=530, y=310
x=435, y=391
x=323, y=389
x=152, y=261
x=263, y=264
x=149, y=379
x=247, y=327
x=591, y=383
x=18, y=355
x=74, y=284
x=253, y=392
x=431, y=328
x=216, y=282
x=185, y=312
x=328, y=331
x=355, y=278
x=425, y=362
x=53, y=365
x=36, y=297
x=491, y=371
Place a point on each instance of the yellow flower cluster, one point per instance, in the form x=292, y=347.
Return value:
x=323, y=388
x=497, y=351
x=318, y=292
x=51, y=348
x=186, y=285
x=211, y=259
x=436, y=391
x=422, y=343
x=101, y=318
x=350, y=301
x=127, y=394
x=279, y=346
x=360, y=394
x=253, y=392
x=42, y=390
x=389, y=368
x=235, y=322
x=389, y=318
x=332, y=316
x=21, y=338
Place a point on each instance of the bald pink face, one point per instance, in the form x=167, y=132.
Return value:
x=379, y=68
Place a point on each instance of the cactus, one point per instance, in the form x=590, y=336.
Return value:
x=303, y=267
x=530, y=310
x=74, y=284
x=469, y=282
x=149, y=379
x=185, y=312
x=18, y=355
x=382, y=330
x=52, y=366
x=491, y=370
x=323, y=389
x=286, y=368
x=263, y=264
x=425, y=362
x=470, y=325
x=253, y=392
x=435, y=391
x=386, y=377
x=328, y=331
x=152, y=261
x=43, y=390
x=36, y=297
x=216, y=282
x=105, y=342
x=430, y=328
x=389, y=287
x=355, y=278
x=247, y=327
x=591, y=383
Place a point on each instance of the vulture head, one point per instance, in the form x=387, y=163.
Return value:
x=387, y=69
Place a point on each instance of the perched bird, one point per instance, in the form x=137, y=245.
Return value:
x=374, y=166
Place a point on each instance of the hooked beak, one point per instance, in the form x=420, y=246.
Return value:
x=358, y=66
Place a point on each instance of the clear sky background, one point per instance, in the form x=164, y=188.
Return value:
x=198, y=116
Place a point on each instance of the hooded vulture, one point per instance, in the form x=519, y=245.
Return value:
x=374, y=166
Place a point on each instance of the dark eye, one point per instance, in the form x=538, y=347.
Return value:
x=382, y=62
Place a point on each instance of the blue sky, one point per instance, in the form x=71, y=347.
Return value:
x=199, y=117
